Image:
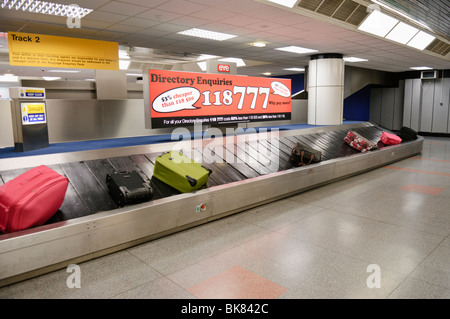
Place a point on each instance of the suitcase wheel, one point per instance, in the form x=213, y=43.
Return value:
x=192, y=181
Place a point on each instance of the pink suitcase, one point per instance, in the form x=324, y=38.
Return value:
x=390, y=139
x=31, y=198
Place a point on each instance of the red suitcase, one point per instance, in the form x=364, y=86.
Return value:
x=390, y=139
x=31, y=198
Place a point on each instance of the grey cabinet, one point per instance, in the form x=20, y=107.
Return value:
x=441, y=116
x=426, y=105
x=386, y=107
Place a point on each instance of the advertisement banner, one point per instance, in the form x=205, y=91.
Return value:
x=184, y=98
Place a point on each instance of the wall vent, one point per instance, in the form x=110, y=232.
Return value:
x=439, y=47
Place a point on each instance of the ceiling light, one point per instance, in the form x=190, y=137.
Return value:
x=123, y=64
x=402, y=33
x=286, y=3
x=295, y=69
x=51, y=78
x=295, y=49
x=200, y=33
x=421, y=68
x=378, y=23
x=421, y=40
x=239, y=62
x=206, y=57
x=123, y=54
x=396, y=11
x=258, y=44
x=44, y=7
x=202, y=65
x=134, y=74
x=63, y=71
x=354, y=59
x=267, y=73
x=9, y=78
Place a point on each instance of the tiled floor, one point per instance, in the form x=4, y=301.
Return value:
x=382, y=234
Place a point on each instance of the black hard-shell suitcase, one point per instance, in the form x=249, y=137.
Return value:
x=407, y=134
x=127, y=188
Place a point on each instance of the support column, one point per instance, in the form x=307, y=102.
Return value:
x=326, y=89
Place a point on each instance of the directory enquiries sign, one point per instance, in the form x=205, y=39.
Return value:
x=184, y=98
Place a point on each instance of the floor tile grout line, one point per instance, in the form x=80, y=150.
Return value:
x=418, y=265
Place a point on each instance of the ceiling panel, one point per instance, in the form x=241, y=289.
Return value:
x=154, y=24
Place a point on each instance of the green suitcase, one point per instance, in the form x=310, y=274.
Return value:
x=179, y=171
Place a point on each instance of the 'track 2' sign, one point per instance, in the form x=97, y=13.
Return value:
x=184, y=98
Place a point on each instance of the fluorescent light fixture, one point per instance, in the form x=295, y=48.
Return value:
x=354, y=59
x=421, y=40
x=420, y=68
x=378, y=23
x=9, y=78
x=400, y=13
x=267, y=73
x=134, y=74
x=295, y=49
x=44, y=7
x=295, y=69
x=200, y=33
x=239, y=62
x=402, y=33
x=51, y=78
x=63, y=71
x=123, y=64
x=286, y=3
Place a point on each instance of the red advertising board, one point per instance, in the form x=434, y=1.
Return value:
x=183, y=98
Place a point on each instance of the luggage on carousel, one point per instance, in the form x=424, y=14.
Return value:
x=358, y=142
x=304, y=155
x=407, y=134
x=128, y=188
x=31, y=198
x=181, y=172
x=390, y=139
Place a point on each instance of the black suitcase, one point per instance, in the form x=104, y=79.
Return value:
x=304, y=155
x=127, y=188
x=407, y=134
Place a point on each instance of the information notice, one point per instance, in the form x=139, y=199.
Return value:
x=26, y=49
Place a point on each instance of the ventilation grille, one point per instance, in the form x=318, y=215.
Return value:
x=343, y=10
x=439, y=47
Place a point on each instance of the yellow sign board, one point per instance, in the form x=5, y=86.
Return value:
x=27, y=49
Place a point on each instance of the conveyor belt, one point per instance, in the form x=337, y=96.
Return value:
x=88, y=194
x=244, y=175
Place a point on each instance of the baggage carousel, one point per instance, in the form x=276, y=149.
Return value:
x=89, y=224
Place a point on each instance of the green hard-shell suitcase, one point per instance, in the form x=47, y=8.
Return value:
x=179, y=171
